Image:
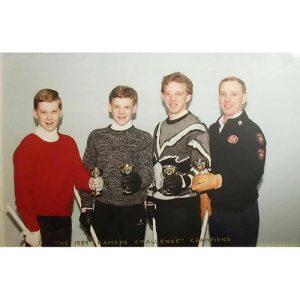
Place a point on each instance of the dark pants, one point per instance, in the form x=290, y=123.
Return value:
x=234, y=229
x=178, y=222
x=120, y=226
x=55, y=231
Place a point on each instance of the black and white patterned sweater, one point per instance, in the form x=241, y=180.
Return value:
x=107, y=149
x=183, y=142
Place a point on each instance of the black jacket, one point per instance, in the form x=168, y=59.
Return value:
x=238, y=153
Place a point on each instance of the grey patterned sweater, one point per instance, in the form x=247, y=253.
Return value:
x=107, y=149
x=184, y=143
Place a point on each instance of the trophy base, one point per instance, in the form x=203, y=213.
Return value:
x=166, y=192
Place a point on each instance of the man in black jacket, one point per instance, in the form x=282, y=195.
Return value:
x=238, y=152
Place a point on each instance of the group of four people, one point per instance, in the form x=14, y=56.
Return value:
x=174, y=177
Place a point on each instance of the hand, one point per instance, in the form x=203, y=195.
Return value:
x=205, y=204
x=207, y=181
x=86, y=218
x=131, y=183
x=173, y=184
x=96, y=184
x=151, y=212
x=33, y=238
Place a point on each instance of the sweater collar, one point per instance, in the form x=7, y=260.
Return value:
x=47, y=136
x=115, y=126
x=178, y=119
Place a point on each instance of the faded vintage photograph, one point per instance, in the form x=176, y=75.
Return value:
x=88, y=208
x=187, y=140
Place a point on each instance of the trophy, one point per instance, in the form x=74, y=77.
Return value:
x=168, y=170
x=199, y=165
x=96, y=172
x=126, y=170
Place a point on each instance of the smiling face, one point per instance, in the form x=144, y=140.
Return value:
x=48, y=115
x=232, y=97
x=122, y=110
x=176, y=98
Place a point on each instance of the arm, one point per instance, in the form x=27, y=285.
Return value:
x=144, y=161
x=201, y=162
x=154, y=158
x=247, y=169
x=250, y=167
x=200, y=153
x=24, y=173
x=81, y=174
x=203, y=180
x=89, y=162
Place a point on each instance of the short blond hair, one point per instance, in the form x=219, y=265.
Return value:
x=233, y=78
x=180, y=78
x=46, y=95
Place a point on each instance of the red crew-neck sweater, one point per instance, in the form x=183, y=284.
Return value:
x=45, y=174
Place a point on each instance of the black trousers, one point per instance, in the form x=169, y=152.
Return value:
x=234, y=229
x=178, y=222
x=55, y=231
x=120, y=226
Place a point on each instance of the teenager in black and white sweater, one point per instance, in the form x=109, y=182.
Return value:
x=182, y=142
x=119, y=219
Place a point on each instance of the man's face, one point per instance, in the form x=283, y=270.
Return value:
x=48, y=115
x=122, y=110
x=232, y=98
x=176, y=98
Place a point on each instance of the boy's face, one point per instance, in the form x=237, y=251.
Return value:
x=232, y=98
x=48, y=115
x=122, y=110
x=176, y=98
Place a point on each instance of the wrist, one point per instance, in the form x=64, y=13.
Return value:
x=219, y=180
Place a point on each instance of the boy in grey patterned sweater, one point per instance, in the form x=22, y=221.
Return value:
x=180, y=143
x=118, y=214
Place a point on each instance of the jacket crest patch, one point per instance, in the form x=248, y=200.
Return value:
x=261, y=154
x=260, y=138
x=232, y=139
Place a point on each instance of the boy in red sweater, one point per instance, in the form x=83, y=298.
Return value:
x=47, y=166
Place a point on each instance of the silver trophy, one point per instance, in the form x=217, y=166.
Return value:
x=96, y=172
x=126, y=170
x=168, y=170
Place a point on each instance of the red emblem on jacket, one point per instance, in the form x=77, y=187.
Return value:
x=232, y=139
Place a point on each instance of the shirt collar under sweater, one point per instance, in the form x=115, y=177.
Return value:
x=222, y=123
x=238, y=120
x=117, y=127
x=47, y=136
